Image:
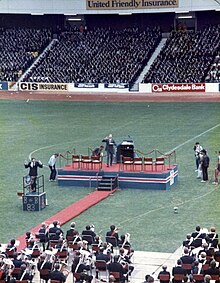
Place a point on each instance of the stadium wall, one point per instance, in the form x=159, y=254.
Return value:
x=113, y=87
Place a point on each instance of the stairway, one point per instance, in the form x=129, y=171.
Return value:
x=107, y=183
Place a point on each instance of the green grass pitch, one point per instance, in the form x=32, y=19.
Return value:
x=44, y=127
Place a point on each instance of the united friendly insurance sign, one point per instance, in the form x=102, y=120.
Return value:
x=130, y=4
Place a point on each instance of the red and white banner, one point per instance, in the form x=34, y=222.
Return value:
x=197, y=87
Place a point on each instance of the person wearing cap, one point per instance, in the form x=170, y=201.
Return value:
x=109, y=148
x=164, y=272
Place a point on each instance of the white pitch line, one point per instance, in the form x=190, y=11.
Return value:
x=203, y=133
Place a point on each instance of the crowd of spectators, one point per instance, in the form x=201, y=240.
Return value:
x=55, y=253
x=214, y=72
x=97, y=56
x=186, y=57
x=18, y=49
x=104, y=55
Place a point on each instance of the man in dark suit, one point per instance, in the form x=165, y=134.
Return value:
x=115, y=266
x=187, y=259
x=33, y=168
x=164, y=272
x=178, y=270
x=109, y=148
x=57, y=275
x=90, y=233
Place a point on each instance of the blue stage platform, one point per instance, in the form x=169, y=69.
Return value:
x=162, y=179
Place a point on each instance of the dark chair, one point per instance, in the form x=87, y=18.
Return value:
x=44, y=274
x=116, y=276
x=178, y=277
x=88, y=238
x=16, y=272
x=198, y=278
x=187, y=267
x=101, y=267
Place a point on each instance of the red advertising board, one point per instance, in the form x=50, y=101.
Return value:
x=197, y=87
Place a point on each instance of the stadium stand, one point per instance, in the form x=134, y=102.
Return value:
x=96, y=56
x=19, y=47
x=186, y=57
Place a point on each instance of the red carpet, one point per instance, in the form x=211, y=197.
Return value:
x=70, y=212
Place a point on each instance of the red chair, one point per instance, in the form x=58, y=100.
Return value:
x=127, y=163
x=86, y=162
x=76, y=161
x=160, y=163
x=148, y=164
x=138, y=163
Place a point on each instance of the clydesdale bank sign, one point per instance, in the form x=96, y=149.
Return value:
x=129, y=4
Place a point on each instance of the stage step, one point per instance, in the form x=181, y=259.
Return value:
x=107, y=183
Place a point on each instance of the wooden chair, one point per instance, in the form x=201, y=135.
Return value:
x=62, y=254
x=178, y=277
x=160, y=163
x=148, y=164
x=215, y=277
x=101, y=267
x=36, y=253
x=85, y=162
x=96, y=161
x=54, y=281
x=127, y=163
x=198, y=278
x=76, y=276
x=113, y=241
x=187, y=267
x=88, y=238
x=116, y=276
x=95, y=248
x=164, y=277
x=44, y=274
x=16, y=271
x=76, y=161
x=138, y=163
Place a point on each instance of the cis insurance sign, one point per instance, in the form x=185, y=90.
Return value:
x=197, y=87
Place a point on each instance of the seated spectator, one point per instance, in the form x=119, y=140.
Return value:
x=56, y=274
x=164, y=272
x=89, y=232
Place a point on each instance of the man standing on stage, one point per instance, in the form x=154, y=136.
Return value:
x=52, y=166
x=109, y=148
x=33, y=166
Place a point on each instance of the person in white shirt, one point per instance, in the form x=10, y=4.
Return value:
x=52, y=166
x=197, y=149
